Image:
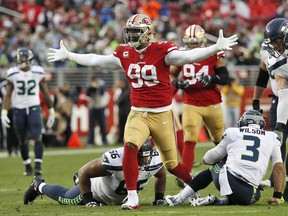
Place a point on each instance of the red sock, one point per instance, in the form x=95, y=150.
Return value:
x=188, y=154
x=182, y=173
x=180, y=141
x=130, y=167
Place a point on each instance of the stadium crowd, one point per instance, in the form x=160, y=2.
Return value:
x=96, y=26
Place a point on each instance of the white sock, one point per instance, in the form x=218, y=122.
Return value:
x=133, y=196
x=185, y=193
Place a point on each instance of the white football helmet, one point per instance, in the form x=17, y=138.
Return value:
x=194, y=34
x=138, y=30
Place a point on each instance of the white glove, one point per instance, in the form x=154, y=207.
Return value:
x=51, y=118
x=226, y=43
x=57, y=54
x=4, y=118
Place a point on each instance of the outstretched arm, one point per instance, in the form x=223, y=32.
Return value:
x=103, y=61
x=177, y=57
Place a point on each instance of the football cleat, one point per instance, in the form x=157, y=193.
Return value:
x=173, y=200
x=129, y=204
x=202, y=201
x=32, y=192
x=37, y=169
x=194, y=196
x=28, y=170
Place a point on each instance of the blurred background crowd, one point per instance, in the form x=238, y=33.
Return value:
x=95, y=26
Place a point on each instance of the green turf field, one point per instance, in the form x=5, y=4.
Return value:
x=59, y=166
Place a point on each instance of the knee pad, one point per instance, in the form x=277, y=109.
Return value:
x=170, y=165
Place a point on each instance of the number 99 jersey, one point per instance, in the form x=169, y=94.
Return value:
x=112, y=189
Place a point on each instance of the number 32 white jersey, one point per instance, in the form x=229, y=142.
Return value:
x=112, y=189
x=26, y=86
x=248, y=152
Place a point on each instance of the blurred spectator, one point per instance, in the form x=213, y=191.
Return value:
x=31, y=12
x=124, y=105
x=233, y=97
x=63, y=106
x=97, y=103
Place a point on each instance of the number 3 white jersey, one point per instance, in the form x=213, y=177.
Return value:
x=249, y=150
x=112, y=189
x=26, y=86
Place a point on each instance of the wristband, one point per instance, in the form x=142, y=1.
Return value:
x=159, y=196
x=277, y=195
x=4, y=112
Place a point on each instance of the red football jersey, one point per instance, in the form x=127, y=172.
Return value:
x=147, y=73
x=196, y=94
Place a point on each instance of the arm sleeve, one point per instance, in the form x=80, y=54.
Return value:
x=263, y=78
x=102, y=61
x=222, y=76
x=181, y=57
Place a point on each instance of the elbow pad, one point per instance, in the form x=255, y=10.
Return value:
x=262, y=79
x=221, y=77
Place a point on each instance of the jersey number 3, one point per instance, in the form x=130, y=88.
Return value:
x=252, y=148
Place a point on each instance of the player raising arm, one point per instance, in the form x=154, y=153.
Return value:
x=147, y=68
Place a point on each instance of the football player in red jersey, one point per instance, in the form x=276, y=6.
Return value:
x=202, y=98
x=147, y=68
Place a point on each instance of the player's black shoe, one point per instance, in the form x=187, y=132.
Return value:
x=37, y=169
x=32, y=192
x=28, y=170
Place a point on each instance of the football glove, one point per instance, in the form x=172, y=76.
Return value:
x=51, y=118
x=256, y=105
x=89, y=200
x=180, y=84
x=57, y=54
x=226, y=43
x=4, y=118
x=206, y=80
x=159, y=202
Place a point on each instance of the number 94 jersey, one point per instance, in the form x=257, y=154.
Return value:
x=26, y=86
x=112, y=189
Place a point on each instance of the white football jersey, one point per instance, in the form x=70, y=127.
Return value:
x=26, y=86
x=112, y=189
x=248, y=151
x=265, y=56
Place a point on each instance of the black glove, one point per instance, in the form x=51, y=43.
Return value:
x=256, y=105
x=180, y=84
x=206, y=80
x=89, y=200
x=159, y=202
x=279, y=130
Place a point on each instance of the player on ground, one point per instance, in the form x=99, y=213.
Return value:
x=24, y=83
x=202, y=98
x=101, y=181
x=248, y=150
x=147, y=68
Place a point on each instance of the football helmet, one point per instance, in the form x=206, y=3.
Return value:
x=144, y=153
x=252, y=118
x=24, y=57
x=138, y=30
x=194, y=34
x=276, y=29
